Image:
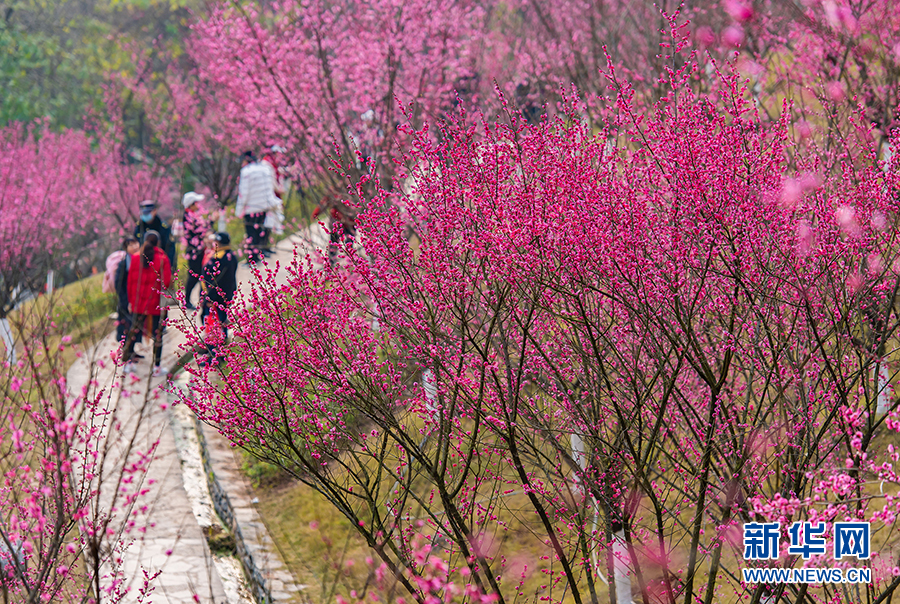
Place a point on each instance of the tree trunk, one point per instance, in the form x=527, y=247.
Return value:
x=620, y=548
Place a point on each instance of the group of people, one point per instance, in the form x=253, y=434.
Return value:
x=141, y=274
x=261, y=189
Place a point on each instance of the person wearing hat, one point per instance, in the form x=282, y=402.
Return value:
x=196, y=225
x=149, y=220
x=256, y=197
x=219, y=284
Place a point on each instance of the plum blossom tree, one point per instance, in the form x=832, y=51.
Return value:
x=74, y=474
x=826, y=56
x=48, y=186
x=613, y=353
x=130, y=178
x=322, y=79
x=147, y=168
x=436, y=581
x=829, y=56
x=549, y=46
x=187, y=123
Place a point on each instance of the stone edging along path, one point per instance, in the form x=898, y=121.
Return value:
x=219, y=488
x=269, y=577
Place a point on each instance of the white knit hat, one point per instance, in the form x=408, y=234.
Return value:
x=190, y=198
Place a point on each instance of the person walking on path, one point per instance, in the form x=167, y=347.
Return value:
x=149, y=275
x=209, y=248
x=196, y=226
x=219, y=285
x=256, y=197
x=341, y=226
x=275, y=218
x=108, y=285
x=130, y=247
x=150, y=221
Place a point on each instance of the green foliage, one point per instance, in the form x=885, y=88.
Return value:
x=46, y=76
x=261, y=473
x=56, y=56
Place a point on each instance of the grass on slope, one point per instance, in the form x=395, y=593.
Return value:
x=324, y=551
x=80, y=310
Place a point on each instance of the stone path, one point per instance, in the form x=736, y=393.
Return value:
x=166, y=536
x=190, y=454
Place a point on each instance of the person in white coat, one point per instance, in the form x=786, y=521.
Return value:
x=256, y=197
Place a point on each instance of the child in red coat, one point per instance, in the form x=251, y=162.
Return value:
x=149, y=275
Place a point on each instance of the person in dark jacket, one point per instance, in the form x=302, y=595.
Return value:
x=219, y=284
x=130, y=246
x=150, y=221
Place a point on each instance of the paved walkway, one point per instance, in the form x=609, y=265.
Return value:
x=165, y=535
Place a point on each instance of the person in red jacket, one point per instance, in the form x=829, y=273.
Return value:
x=149, y=275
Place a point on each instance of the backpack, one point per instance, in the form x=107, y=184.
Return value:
x=109, y=277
